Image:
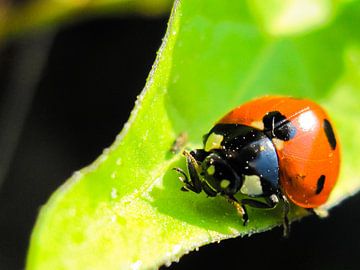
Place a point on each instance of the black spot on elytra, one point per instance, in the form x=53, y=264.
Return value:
x=277, y=126
x=320, y=184
x=329, y=134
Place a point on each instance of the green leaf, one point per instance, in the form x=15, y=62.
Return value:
x=126, y=210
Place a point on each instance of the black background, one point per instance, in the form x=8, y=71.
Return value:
x=87, y=89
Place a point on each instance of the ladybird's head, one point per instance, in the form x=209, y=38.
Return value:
x=218, y=175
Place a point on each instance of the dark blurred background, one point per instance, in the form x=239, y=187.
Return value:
x=64, y=97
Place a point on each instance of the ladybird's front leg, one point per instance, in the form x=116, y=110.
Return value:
x=193, y=161
x=184, y=178
x=193, y=169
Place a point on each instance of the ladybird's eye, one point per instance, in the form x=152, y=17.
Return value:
x=213, y=141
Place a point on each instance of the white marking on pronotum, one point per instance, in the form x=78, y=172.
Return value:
x=251, y=185
x=279, y=144
x=257, y=124
x=213, y=142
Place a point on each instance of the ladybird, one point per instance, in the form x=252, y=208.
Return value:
x=272, y=149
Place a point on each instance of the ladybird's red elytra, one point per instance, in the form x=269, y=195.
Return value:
x=276, y=148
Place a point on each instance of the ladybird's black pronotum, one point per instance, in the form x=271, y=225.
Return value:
x=269, y=150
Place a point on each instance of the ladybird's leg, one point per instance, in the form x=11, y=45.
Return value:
x=183, y=178
x=286, y=209
x=193, y=168
x=270, y=202
x=240, y=208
